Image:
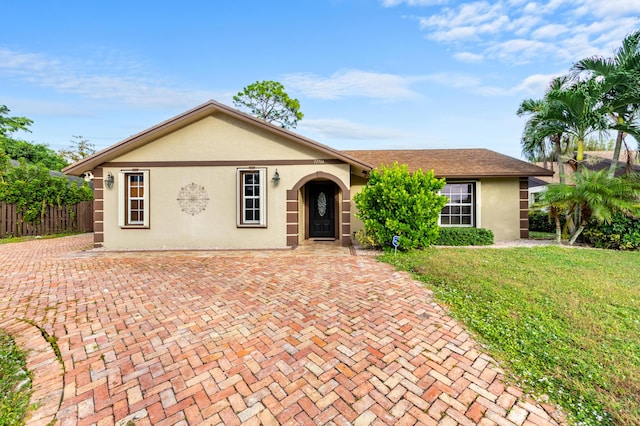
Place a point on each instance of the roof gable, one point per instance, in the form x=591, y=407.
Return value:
x=196, y=114
x=454, y=163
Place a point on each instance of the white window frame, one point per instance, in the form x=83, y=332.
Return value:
x=475, y=216
x=243, y=199
x=124, y=211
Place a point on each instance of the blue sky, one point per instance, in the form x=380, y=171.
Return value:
x=369, y=74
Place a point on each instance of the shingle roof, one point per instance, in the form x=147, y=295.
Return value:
x=453, y=163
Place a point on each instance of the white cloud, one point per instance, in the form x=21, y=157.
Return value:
x=520, y=51
x=467, y=22
x=535, y=84
x=523, y=31
x=352, y=83
x=549, y=31
x=344, y=129
x=104, y=81
x=609, y=8
x=468, y=57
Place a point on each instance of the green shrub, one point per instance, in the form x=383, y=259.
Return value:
x=15, y=382
x=540, y=221
x=365, y=240
x=464, y=237
x=398, y=202
x=32, y=189
x=622, y=233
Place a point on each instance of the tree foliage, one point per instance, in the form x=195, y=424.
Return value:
x=32, y=188
x=398, y=202
x=268, y=100
x=591, y=196
x=600, y=95
x=17, y=149
x=80, y=148
x=622, y=75
x=9, y=125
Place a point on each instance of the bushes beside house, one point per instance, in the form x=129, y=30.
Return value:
x=464, y=237
x=540, y=221
x=446, y=237
x=622, y=233
x=31, y=188
x=34, y=202
x=398, y=202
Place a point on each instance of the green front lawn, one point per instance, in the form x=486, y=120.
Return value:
x=564, y=321
x=15, y=382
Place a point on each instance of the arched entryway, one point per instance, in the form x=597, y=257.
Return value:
x=321, y=212
x=319, y=207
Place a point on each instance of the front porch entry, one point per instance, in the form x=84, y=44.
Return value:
x=319, y=209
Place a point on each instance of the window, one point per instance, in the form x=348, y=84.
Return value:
x=460, y=210
x=251, y=190
x=134, y=196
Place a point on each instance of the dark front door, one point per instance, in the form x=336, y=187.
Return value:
x=322, y=210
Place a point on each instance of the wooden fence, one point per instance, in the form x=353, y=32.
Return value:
x=74, y=218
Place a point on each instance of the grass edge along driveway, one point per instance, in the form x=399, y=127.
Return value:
x=565, y=322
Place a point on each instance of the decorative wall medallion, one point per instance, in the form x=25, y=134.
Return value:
x=322, y=204
x=193, y=199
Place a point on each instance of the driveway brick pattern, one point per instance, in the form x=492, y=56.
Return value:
x=270, y=337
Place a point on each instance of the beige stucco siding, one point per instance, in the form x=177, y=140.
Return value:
x=221, y=138
x=212, y=139
x=357, y=183
x=216, y=226
x=499, y=207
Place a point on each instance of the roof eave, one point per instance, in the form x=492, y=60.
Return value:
x=189, y=117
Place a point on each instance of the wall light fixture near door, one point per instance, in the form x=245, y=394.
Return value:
x=276, y=178
x=108, y=181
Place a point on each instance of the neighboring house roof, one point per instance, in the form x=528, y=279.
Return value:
x=536, y=181
x=608, y=155
x=593, y=160
x=191, y=116
x=454, y=163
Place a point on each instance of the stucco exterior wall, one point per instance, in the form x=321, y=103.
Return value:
x=499, y=207
x=224, y=138
x=357, y=183
x=216, y=139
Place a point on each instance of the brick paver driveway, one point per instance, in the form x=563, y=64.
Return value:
x=272, y=337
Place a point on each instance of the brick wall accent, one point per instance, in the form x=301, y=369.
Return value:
x=292, y=218
x=524, y=207
x=98, y=207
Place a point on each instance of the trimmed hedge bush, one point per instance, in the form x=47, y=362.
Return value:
x=623, y=233
x=539, y=221
x=464, y=237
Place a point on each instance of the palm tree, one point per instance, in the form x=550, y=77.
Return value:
x=578, y=111
x=534, y=144
x=542, y=127
x=595, y=196
x=621, y=74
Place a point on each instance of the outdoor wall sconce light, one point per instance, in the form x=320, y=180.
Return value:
x=108, y=181
x=276, y=178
